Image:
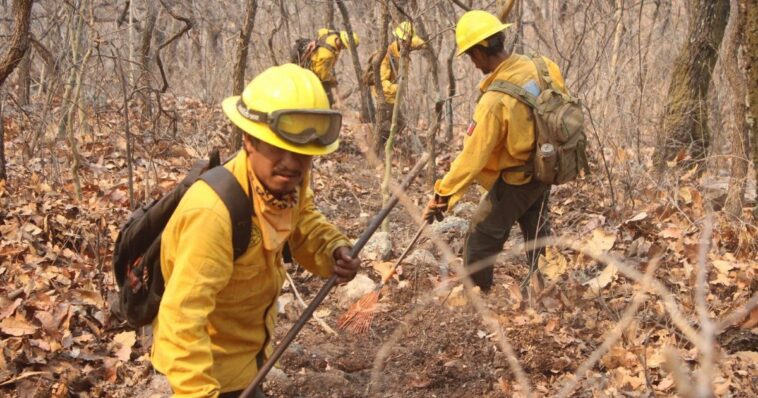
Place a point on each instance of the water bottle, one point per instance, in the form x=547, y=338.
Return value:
x=545, y=163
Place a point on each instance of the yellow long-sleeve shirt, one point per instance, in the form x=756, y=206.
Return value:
x=501, y=133
x=388, y=70
x=217, y=313
x=324, y=58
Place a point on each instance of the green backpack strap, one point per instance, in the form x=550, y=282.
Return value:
x=515, y=91
x=544, y=74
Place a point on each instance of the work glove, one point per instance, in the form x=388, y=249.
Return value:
x=435, y=209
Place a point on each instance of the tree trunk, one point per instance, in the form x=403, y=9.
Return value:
x=23, y=78
x=504, y=8
x=451, y=89
x=514, y=14
x=381, y=102
x=433, y=59
x=146, y=40
x=77, y=39
x=405, y=52
x=3, y=174
x=50, y=72
x=330, y=15
x=19, y=41
x=751, y=62
x=685, y=122
x=740, y=130
x=243, y=44
x=617, y=35
x=362, y=89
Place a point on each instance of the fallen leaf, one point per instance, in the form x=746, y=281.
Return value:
x=686, y=194
x=420, y=381
x=550, y=325
x=514, y=293
x=323, y=312
x=384, y=269
x=724, y=266
x=596, y=284
x=457, y=297
x=16, y=327
x=670, y=232
x=665, y=384
x=123, y=343
x=10, y=309
x=752, y=320
x=638, y=217
x=601, y=241
x=619, y=357
x=553, y=264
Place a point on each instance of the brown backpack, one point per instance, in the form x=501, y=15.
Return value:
x=560, y=143
x=303, y=49
x=368, y=74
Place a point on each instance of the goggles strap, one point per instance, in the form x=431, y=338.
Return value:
x=250, y=114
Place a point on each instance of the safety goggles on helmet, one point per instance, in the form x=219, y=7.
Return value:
x=298, y=126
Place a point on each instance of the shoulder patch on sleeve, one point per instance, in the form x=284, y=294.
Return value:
x=471, y=127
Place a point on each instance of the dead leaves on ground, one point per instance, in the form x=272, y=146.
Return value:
x=55, y=279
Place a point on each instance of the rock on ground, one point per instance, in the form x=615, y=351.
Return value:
x=157, y=387
x=378, y=248
x=452, y=225
x=421, y=258
x=354, y=290
x=464, y=209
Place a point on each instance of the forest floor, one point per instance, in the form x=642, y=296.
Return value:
x=59, y=339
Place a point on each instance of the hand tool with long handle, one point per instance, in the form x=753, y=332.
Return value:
x=359, y=316
x=321, y=295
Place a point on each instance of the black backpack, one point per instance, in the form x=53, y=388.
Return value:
x=137, y=253
x=303, y=49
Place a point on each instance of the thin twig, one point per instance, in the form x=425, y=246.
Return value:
x=302, y=304
x=707, y=327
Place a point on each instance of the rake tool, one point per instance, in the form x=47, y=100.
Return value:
x=358, y=317
x=321, y=295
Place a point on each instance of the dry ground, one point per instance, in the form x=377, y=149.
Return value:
x=58, y=338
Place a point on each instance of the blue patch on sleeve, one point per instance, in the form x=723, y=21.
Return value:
x=532, y=88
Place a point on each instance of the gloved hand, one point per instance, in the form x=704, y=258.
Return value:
x=435, y=209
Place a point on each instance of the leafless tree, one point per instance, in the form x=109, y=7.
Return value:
x=243, y=44
x=685, y=123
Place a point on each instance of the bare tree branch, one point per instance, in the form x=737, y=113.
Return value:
x=243, y=44
x=19, y=41
x=187, y=26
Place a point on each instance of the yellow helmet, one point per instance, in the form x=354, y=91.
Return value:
x=323, y=32
x=475, y=26
x=346, y=39
x=286, y=106
x=403, y=30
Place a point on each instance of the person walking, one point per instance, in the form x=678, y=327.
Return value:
x=497, y=149
x=217, y=315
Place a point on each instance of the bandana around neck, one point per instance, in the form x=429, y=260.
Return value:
x=275, y=214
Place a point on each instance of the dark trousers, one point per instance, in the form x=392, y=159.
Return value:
x=328, y=87
x=384, y=129
x=491, y=224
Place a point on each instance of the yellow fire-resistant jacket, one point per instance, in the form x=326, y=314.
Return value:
x=324, y=58
x=501, y=133
x=216, y=314
x=388, y=70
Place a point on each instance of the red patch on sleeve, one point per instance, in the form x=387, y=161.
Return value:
x=471, y=127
